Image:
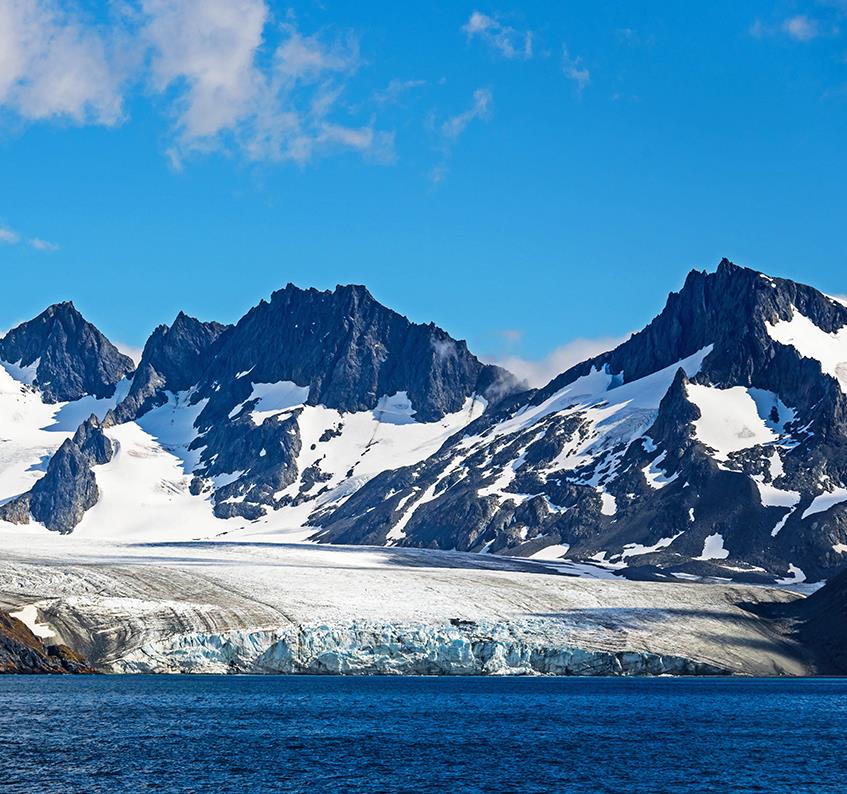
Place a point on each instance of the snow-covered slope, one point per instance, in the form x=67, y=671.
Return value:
x=711, y=444
x=254, y=426
x=146, y=488
x=31, y=430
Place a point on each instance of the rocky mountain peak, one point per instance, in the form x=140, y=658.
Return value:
x=174, y=359
x=71, y=358
x=711, y=443
x=350, y=351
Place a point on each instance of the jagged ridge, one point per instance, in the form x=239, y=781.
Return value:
x=588, y=465
x=72, y=358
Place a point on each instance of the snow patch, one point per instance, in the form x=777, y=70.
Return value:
x=810, y=341
x=823, y=502
x=608, y=504
x=274, y=398
x=795, y=576
x=22, y=374
x=554, y=552
x=729, y=419
x=28, y=615
x=713, y=548
x=395, y=409
x=172, y=426
x=637, y=550
x=656, y=477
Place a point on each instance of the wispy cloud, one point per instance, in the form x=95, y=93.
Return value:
x=9, y=236
x=538, y=372
x=231, y=76
x=451, y=129
x=133, y=351
x=801, y=28
x=575, y=70
x=42, y=245
x=511, y=335
x=438, y=173
x=396, y=89
x=757, y=29
x=480, y=108
x=54, y=65
x=506, y=40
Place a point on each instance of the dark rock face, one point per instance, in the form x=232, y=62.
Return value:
x=817, y=623
x=609, y=462
x=350, y=351
x=74, y=358
x=22, y=652
x=69, y=488
x=632, y=484
x=822, y=625
x=174, y=359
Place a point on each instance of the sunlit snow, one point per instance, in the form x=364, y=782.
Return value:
x=713, y=548
x=729, y=419
x=823, y=502
x=830, y=350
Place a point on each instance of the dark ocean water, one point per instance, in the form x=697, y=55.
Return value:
x=256, y=734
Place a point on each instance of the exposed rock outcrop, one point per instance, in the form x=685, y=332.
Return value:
x=22, y=652
x=71, y=358
x=69, y=488
x=349, y=350
x=819, y=624
x=617, y=462
x=173, y=360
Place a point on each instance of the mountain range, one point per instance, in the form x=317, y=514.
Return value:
x=711, y=445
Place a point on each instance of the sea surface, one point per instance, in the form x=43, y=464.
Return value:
x=257, y=734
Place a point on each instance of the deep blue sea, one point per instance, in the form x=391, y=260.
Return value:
x=256, y=734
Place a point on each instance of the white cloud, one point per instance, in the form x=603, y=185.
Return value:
x=575, y=70
x=510, y=43
x=511, y=335
x=375, y=146
x=206, y=49
x=451, y=129
x=42, y=245
x=396, y=89
x=539, y=372
x=130, y=350
x=801, y=28
x=230, y=75
x=53, y=64
x=480, y=108
x=9, y=236
x=232, y=90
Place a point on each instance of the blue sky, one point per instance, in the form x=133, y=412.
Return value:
x=523, y=174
